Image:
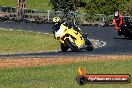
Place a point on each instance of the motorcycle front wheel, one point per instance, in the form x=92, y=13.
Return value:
x=70, y=45
x=64, y=48
x=89, y=46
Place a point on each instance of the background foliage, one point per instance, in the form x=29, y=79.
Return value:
x=106, y=7
x=90, y=6
x=66, y=5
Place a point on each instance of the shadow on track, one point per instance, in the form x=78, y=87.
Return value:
x=46, y=54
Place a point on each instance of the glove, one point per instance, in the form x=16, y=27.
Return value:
x=116, y=27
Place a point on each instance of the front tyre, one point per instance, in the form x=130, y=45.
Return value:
x=64, y=48
x=70, y=44
x=89, y=46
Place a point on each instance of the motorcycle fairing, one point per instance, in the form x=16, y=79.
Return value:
x=73, y=36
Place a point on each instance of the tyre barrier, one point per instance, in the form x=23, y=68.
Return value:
x=30, y=16
x=9, y=14
x=45, y=16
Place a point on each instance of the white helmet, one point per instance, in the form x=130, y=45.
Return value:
x=116, y=15
x=56, y=19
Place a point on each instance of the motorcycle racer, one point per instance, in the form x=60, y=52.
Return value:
x=57, y=22
x=118, y=21
x=20, y=9
x=70, y=36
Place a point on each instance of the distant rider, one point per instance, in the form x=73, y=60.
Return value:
x=118, y=21
x=20, y=9
x=21, y=3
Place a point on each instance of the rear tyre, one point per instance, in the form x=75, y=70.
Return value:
x=64, y=48
x=130, y=37
x=70, y=45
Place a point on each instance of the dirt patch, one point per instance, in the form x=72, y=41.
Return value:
x=30, y=62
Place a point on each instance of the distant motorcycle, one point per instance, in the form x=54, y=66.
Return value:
x=126, y=28
x=70, y=38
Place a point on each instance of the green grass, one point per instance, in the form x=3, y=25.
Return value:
x=30, y=4
x=12, y=41
x=63, y=76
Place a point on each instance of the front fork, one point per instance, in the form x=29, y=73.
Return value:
x=85, y=38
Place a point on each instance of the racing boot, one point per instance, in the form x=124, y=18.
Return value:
x=119, y=32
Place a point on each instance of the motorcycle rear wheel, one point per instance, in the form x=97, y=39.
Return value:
x=70, y=45
x=130, y=37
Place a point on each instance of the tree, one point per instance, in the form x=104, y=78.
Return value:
x=127, y=10
x=66, y=5
x=103, y=6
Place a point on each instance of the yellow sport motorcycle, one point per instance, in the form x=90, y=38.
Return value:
x=71, y=38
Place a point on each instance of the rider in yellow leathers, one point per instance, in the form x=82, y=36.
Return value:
x=57, y=22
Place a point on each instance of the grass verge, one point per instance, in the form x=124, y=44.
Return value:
x=30, y=4
x=63, y=75
x=12, y=41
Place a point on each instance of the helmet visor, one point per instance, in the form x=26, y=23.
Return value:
x=116, y=17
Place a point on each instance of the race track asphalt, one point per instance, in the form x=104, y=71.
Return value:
x=115, y=45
